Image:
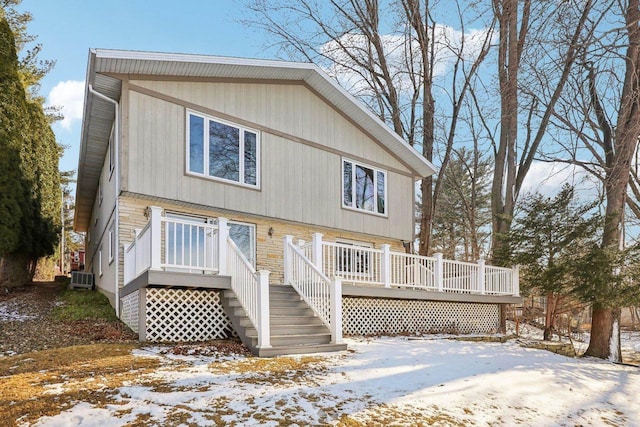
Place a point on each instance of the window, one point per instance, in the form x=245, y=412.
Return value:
x=244, y=236
x=222, y=151
x=364, y=188
x=112, y=152
x=100, y=194
x=100, y=262
x=112, y=243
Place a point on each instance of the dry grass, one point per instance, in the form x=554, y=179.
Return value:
x=48, y=382
x=275, y=371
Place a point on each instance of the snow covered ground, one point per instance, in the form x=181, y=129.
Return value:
x=381, y=381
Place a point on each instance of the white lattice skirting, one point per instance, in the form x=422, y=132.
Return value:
x=130, y=312
x=174, y=315
x=372, y=316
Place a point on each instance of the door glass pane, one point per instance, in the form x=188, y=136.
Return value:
x=250, y=155
x=243, y=235
x=364, y=188
x=224, y=151
x=196, y=144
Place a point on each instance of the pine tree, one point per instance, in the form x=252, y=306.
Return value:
x=547, y=239
x=12, y=113
x=30, y=193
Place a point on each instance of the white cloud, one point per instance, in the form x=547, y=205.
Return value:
x=449, y=44
x=548, y=178
x=69, y=95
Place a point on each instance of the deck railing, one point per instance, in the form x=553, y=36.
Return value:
x=252, y=290
x=174, y=244
x=137, y=255
x=322, y=294
x=190, y=246
x=367, y=266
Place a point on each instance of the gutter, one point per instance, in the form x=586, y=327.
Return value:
x=116, y=140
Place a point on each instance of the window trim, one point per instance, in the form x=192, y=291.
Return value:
x=205, y=150
x=112, y=241
x=100, y=262
x=112, y=153
x=100, y=192
x=375, y=170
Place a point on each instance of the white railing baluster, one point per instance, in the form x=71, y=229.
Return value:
x=252, y=290
x=322, y=295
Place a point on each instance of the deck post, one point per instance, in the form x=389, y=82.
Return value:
x=516, y=280
x=288, y=242
x=155, y=229
x=481, y=277
x=336, y=310
x=223, y=246
x=385, y=268
x=264, y=333
x=316, y=250
x=439, y=273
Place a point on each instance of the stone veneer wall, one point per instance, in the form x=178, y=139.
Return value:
x=269, y=249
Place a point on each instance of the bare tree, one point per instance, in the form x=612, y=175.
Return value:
x=550, y=33
x=387, y=55
x=598, y=123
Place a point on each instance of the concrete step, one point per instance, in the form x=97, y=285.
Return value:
x=299, y=349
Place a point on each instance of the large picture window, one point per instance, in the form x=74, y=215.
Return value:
x=222, y=150
x=364, y=187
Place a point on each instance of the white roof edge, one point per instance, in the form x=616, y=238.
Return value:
x=201, y=58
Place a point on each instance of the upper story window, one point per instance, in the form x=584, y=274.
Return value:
x=222, y=150
x=364, y=187
x=112, y=152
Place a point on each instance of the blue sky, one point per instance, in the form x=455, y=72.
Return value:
x=67, y=29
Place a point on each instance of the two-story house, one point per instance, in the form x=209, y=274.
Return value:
x=225, y=194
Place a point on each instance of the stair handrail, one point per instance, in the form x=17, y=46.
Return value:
x=251, y=288
x=323, y=295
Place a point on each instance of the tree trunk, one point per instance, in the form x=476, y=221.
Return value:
x=605, y=323
x=504, y=177
x=549, y=317
x=605, y=327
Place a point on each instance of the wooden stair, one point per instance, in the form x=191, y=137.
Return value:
x=294, y=327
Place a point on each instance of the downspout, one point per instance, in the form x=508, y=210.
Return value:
x=116, y=141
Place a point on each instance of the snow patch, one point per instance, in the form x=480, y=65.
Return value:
x=466, y=383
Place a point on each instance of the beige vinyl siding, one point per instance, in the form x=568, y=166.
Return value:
x=299, y=182
x=289, y=108
x=105, y=215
